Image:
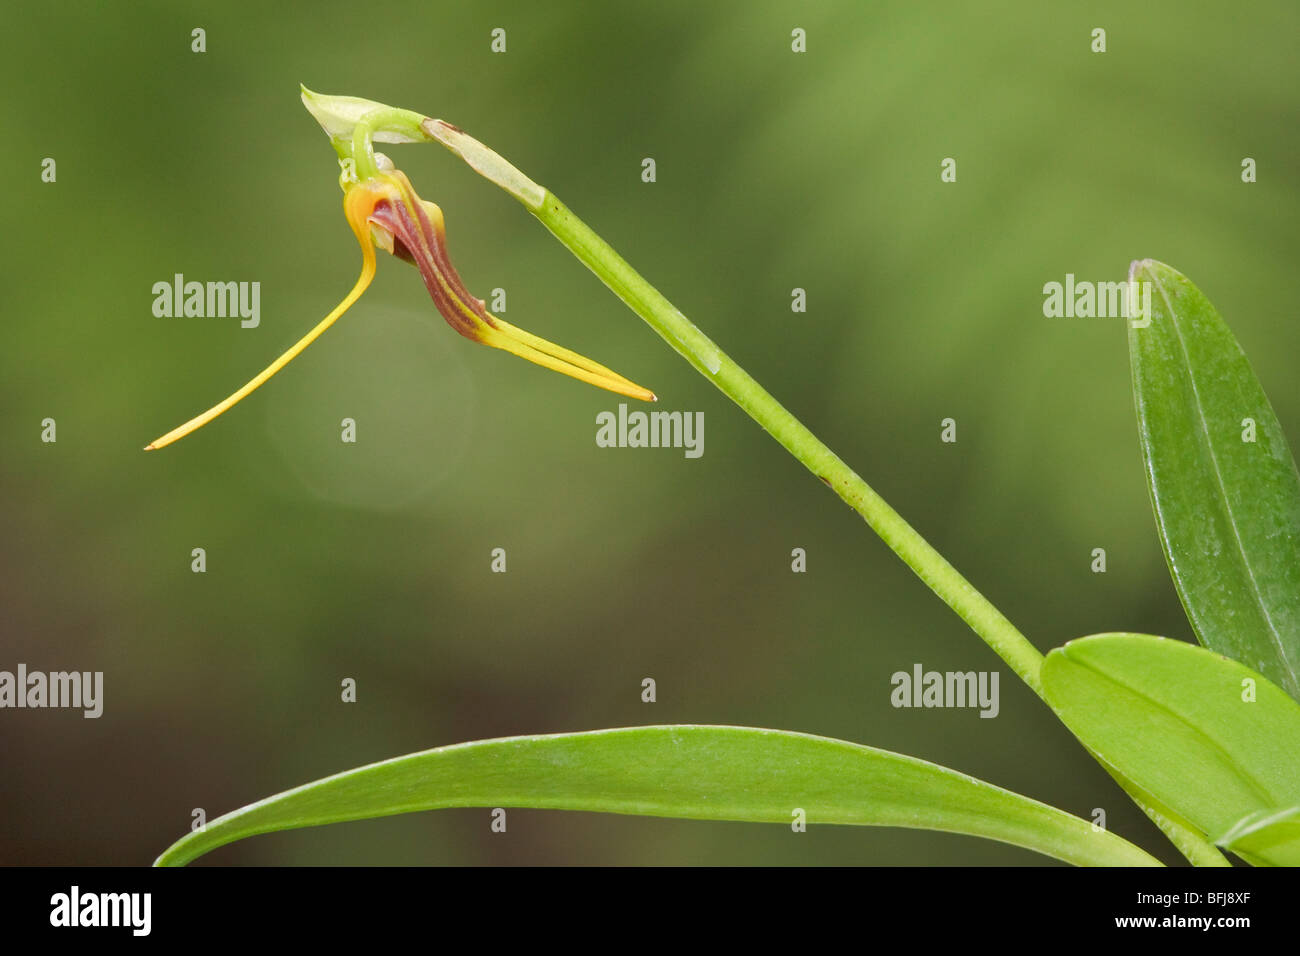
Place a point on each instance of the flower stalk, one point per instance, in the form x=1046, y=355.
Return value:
x=738, y=385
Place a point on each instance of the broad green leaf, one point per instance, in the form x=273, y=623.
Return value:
x=1228, y=508
x=688, y=771
x=1206, y=738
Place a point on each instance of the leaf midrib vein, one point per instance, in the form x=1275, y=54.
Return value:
x=1273, y=632
x=1256, y=785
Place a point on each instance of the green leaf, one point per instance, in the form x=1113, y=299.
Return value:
x=1228, y=509
x=1207, y=739
x=687, y=771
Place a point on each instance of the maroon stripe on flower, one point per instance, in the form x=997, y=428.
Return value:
x=395, y=216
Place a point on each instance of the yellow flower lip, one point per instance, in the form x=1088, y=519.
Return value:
x=385, y=211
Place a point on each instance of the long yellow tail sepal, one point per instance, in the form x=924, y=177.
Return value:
x=362, y=230
x=535, y=349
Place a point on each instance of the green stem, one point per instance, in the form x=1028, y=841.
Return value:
x=738, y=385
x=363, y=149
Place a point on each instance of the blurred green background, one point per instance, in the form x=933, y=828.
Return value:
x=371, y=561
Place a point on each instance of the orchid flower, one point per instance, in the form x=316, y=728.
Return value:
x=383, y=210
